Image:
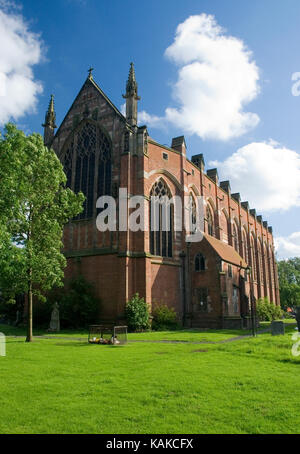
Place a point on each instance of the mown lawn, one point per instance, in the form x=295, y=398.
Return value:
x=68, y=386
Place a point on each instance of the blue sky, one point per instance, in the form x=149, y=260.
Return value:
x=75, y=34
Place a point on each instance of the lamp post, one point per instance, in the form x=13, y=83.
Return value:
x=253, y=311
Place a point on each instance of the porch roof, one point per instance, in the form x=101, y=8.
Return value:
x=225, y=252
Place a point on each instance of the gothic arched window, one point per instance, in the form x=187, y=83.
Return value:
x=161, y=220
x=260, y=263
x=192, y=215
x=224, y=227
x=68, y=164
x=199, y=262
x=210, y=222
x=272, y=266
x=266, y=264
x=235, y=237
x=245, y=247
x=253, y=259
x=87, y=164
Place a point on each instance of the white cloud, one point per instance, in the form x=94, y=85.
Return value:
x=153, y=121
x=265, y=173
x=217, y=77
x=20, y=49
x=289, y=246
x=144, y=118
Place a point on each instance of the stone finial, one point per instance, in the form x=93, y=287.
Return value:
x=50, y=116
x=245, y=205
x=213, y=175
x=49, y=125
x=237, y=197
x=178, y=143
x=225, y=185
x=198, y=160
x=131, y=86
x=90, y=71
x=131, y=97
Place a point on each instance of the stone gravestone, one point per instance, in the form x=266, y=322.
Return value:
x=18, y=318
x=54, y=322
x=277, y=328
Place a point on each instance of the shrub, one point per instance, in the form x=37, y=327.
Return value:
x=277, y=312
x=287, y=315
x=9, y=308
x=78, y=306
x=137, y=314
x=164, y=318
x=267, y=311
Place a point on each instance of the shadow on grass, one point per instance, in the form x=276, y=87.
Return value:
x=70, y=343
x=290, y=361
x=74, y=343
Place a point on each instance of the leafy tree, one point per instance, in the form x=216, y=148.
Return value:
x=34, y=207
x=289, y=282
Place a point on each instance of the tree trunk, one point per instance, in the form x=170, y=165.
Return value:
x=29, y=311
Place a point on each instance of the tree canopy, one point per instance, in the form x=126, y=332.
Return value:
x=35, y=204
x=289, y=282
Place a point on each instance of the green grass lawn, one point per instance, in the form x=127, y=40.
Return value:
x=68, y=386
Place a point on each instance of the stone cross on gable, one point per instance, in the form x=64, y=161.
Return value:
x=90, y=70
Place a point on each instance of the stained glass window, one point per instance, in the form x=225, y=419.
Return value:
x=89, y=152
x=253, y=259
x=235, y=237
x=161, y=216
x=192, y=214
x=245, y=247
x=210, y=222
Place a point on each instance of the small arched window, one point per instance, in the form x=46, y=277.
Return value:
x=161, y=220
x=210, y=221
x=199, y=262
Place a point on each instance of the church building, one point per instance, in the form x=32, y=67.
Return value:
x=212, y=283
